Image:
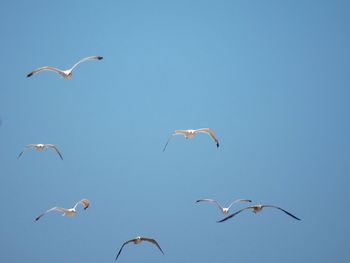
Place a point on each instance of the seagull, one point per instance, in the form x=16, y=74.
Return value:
x=40, y=147
x=137, y=240
x=189, y=134
x=224, y=210
x=70, y=212
x=66, y=74
x=256, y=209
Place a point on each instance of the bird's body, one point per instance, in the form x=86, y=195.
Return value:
x=224, y=210
x=189, y=134
x=66, y=74
x=69, y=212
x=256, y=209
x=40, y=147
x=138, y=240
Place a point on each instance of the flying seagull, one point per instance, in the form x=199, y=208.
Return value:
x=70, y=212
x=40, y=147
x=224, y=210
x=189, y=134
x=256, y=209
x=66, y=74
x=137, y=240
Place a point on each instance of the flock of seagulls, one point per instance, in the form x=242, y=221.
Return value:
x=188, y=134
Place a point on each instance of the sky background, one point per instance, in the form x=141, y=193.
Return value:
x=271, y=78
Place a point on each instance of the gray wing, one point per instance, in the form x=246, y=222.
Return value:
x=239, y=201
x=183, y=132
x=84, y=202
x=282, y=210
x=235, y=213
x=153, y=241
x=211, y=133
x=211, y=201
x=46, y=68
x=86, y=59
x=171, y=136
x=59, y=209
x=120, y=250
x=52, y=146
x=27, y=147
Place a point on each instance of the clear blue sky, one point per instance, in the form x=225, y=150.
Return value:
x=271, y=78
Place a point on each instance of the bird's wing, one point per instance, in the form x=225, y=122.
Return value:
x=120, y=250
x=43, y=69
x=166, y=144
x=59, y=209
x=211, y=201
x=211, y=133
x=283, y=211
x=27, y=147
x=153, y=241
x=183, y=132
x=52, y=146
x=86, y=59
x=239, y=201
x=84, y=202
x=232, y=215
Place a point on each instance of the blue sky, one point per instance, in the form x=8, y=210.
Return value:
x=271, y=78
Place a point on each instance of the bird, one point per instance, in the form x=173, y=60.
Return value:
x=189, y=134
x=70, y=212
x=66, y=74
x=138, y=240
x=224, y=210
x=40, y=147
x=257, y=209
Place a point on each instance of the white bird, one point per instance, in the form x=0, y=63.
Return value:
x=189, y=134
x=137, y=240
x=257, y=209
x=40, y=147
x=70, y=212
x=224, y=210
x=66, y=74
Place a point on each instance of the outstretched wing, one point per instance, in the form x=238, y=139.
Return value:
x=59, y=209
x=235, y=213
x=27, y=147
x=211, y=201
x=46, y=68
x=84, y=202
x=239, y=201
x=86, y=59
x=171, y=136
x=176, y=132
x=183, y=132
x=52, y=146
x=120, y=250
x=282, y=210
x=211, y=133
x=153, y=241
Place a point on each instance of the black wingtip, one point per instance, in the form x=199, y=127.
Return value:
x=217, y=145
x=99, y=58
x=30, y=74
